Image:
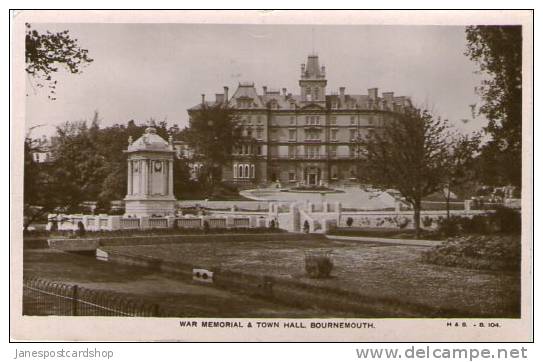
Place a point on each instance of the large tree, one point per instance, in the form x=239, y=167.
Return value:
x=213, y=133
x=88, y=164
x=42, y=194
x=46, y=52
x=461, y=170
x=498, y=52
x=410, y=153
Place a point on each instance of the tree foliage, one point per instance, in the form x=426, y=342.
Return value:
x=88, y=165
x=45, y=53
x=41, y=191
x=213, y=133
x=498, y=52
x=411, y=154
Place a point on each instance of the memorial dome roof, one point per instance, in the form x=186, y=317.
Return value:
x=149, y=141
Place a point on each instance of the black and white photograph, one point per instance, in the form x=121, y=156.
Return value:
x=273, y=178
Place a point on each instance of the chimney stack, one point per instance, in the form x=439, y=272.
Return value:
x=265, y=90
x=284, y=91
x=389, y=97
x=303, y=69
x=342, y=94
x=203, y=99
x=226, y=95
x=372, y=92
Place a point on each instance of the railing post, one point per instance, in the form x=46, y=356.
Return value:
x=74, y=301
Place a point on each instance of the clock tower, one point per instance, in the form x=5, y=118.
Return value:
x=313, y=81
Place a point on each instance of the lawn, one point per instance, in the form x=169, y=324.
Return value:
x=181, y=298
x=373, y=270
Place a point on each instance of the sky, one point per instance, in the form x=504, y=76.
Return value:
x=144, y=71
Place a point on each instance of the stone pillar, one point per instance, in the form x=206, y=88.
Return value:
x=253, y=221
x=114, y=223
x=229, y=221
x=467, y=205
x=143, y=170
x=171, y=221
x=129, y=178
x=397, y=206
x=170, y=178
x=165, y=176
x=144, y=222
x=97, y=223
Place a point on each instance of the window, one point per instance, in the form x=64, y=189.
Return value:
x=249, y=132
x=353, y=134
x=291, y=151
x=292, y=119
x=333, y=151
x=292, y=135
x=318, y=119
x=292, y=176
x=259, y=134
x=333, y=134
x=352, y=151
x=334, y=172
x=316, y=93
x=259, y=149
x=306, y=119
x=352, y=120
x=252, y=171
x=312, y=151
x=370, y=120
x=258, y=119
x=333, y=120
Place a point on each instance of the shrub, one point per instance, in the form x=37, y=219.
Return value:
x=206, y=226
x=349, y=221
x=449, y=226
x=318, y=265
x=80, y=229
x=402, y=222
x=506, y=220
x=478, y=224
x=427, y=221
x=306, y=226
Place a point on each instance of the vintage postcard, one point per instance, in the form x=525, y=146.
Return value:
x=272, y=176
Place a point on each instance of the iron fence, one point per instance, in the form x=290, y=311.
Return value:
x=42, y=297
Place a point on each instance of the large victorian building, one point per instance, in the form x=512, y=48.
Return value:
x=309, y=138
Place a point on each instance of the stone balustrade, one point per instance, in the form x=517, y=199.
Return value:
x=321, y=217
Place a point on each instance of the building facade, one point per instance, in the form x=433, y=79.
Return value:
x=310, y=138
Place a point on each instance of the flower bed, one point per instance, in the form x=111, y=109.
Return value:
x=486, y=252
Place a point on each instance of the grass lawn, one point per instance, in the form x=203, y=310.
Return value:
x=376, y=270
x=186, y=299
